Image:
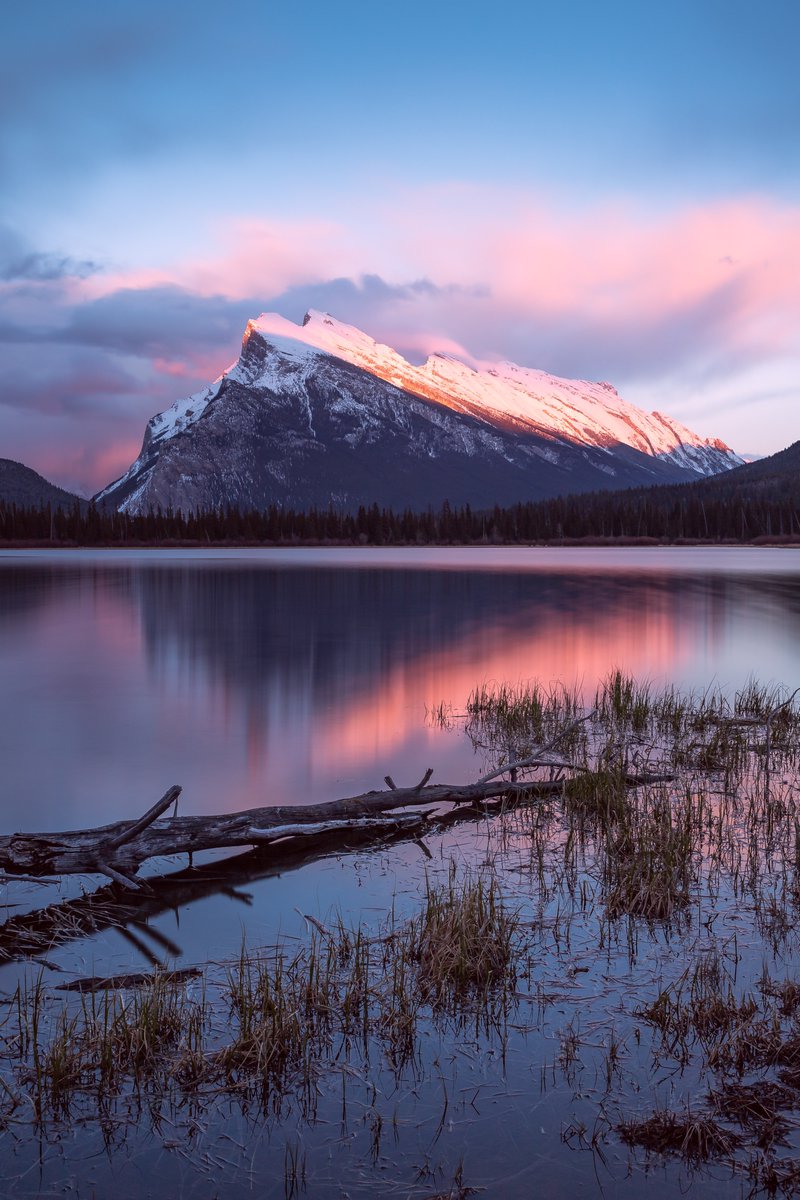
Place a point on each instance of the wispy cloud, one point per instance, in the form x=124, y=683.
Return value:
x=19, y=262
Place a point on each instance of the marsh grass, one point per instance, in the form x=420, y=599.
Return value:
x=519, y=719
x=771, y=1177
x=756, y=1104
x=649, y=858
x=104, y=1043
x=631, y=724
x=686, y=887
x=716, y=837
x=694, y=1137
x=624, y=701
x=345, y=995
x=702, y=1007
x=464, y=939
x=785, y=993
x=282, y=1018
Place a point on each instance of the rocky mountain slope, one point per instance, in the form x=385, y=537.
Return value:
x=320, y=413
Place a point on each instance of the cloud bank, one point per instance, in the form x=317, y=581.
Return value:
x=693, y=309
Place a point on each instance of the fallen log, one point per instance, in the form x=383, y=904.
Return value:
x=36, y=933
x=134, y=979
x=118, y=851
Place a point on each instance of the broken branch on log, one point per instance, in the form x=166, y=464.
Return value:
x=116, y=876
x=170, y=797
x=117, y=851
x=31, y=934
x=539, y=758
x=535, y=761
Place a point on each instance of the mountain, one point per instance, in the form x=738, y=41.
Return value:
x=757, y=501
x=21, y=486
x=778, y=474
x=319, y=414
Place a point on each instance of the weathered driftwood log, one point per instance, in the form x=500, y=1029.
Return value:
x=33, y=934
x=36, y=933
x=117, y=851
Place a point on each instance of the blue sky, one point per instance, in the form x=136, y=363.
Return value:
x=599, y=190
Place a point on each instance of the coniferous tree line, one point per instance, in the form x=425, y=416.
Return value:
x=713, y=510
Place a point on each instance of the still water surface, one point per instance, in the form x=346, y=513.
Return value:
x=283, y=677
x=287, y=677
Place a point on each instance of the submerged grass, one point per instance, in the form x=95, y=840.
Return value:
x=649, y=858
x=685, y=886
x=347, y=993
x=695, y=1137
x=465, y=939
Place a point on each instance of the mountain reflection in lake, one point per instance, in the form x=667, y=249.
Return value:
x=286, y=678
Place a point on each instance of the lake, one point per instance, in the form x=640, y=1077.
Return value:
x=292, y=676
x=280, y=677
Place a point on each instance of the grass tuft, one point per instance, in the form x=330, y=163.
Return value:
x=694, y=1137
x=464, y=939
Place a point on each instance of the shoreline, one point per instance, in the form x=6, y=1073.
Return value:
x=778, y=542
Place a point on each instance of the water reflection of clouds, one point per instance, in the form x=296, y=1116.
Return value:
x=341, y=664
x=252, y=685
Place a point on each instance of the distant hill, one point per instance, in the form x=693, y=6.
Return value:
x=779, y=474
x=758, y=500
x=24, y=487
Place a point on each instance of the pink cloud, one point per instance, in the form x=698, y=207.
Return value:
x=609, y=269
x=194, y=367
x=267, y=256
x=690, y=309
x=612, y=263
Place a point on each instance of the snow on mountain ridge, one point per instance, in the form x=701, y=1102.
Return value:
x=300, y=399
x=171, y=421
x=517, y=397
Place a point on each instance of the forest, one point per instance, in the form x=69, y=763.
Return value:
x=715, y=510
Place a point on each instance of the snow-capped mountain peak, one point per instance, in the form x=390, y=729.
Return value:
x=321, y=412
x=579, y=411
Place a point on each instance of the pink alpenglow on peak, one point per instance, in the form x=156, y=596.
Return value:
x=320, y=413
x=502, y=393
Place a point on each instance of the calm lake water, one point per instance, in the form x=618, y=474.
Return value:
x=273, y=677
x=280, y=677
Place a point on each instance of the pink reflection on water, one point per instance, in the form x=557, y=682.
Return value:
x=291, y=687
x=579, y=650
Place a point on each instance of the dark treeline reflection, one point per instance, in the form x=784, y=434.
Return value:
x=24, y=590
x=337, y=631
x=251, y=684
